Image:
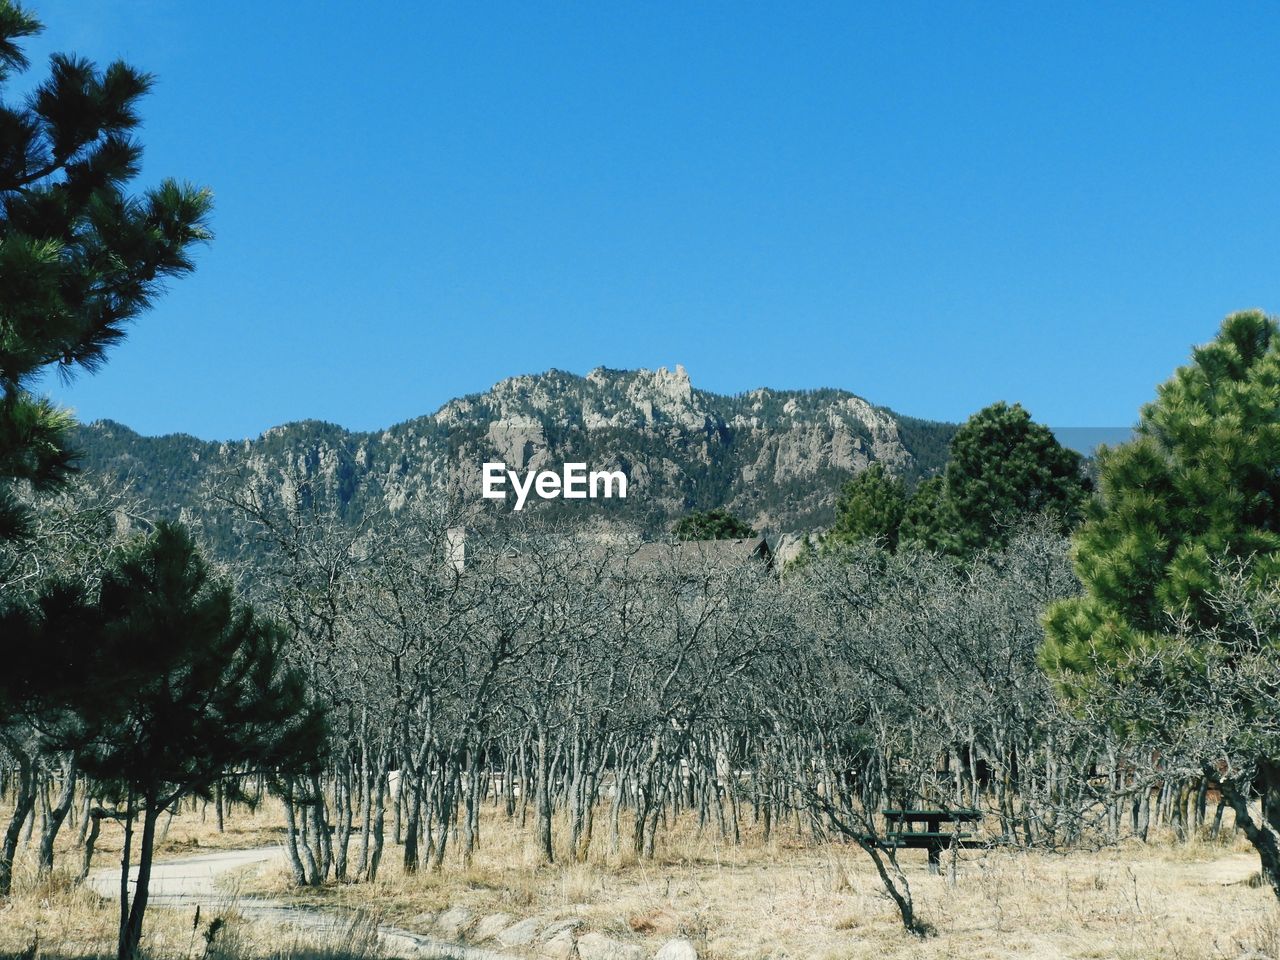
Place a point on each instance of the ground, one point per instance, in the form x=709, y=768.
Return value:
x=782, y=899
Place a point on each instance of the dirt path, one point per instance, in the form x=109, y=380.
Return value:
x=203, y=881
x=185, y=882
x=1230, y=870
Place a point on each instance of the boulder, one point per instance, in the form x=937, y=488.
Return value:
x=520, y=934
x=596, y=946
x=453, y=923
x=490, y=926
x=678, y=949
x=559, y=947
x=557, y=927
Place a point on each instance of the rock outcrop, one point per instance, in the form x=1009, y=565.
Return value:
x=776, y=458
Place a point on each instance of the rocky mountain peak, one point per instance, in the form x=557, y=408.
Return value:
x=777, y=458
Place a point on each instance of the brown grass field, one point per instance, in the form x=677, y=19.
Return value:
x=783, y=899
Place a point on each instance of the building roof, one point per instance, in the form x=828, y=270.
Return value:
x=644, y=558
x=715, y=554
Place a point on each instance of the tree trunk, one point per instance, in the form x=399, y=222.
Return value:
x=126, y=852
x=86, y=806
x=24, y=801
x=447, y=805
x=543, y=801
x=397, y=815
x=366, y=801
x=343, y=810
x=1217, y=817
x=91, y=838
x=1142, y=814
x=379, y=818
x=291, y=840
x=1264, y=832
x=56, y=817
x=411, y=793
x=132, y=938
x=524, y=782
x=320, y=823
x=305, y=847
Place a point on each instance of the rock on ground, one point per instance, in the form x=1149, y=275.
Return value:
x=595, y=946
x=557, y=927
x=520, y=934
x=559, y=947
x=491, y=926
x=678, y=949
x=453, y=922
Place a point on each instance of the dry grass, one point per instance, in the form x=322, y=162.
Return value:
x=53, y=917
x=194, y=830
x=57, y=918
x=786, y=898
x=780, y=899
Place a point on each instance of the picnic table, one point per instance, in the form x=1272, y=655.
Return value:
x=902, y=831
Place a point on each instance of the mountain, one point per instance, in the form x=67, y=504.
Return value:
x=777, y=458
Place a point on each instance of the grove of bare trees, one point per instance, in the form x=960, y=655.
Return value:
x=599, y=689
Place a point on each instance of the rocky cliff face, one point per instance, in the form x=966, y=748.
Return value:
x=774, y=457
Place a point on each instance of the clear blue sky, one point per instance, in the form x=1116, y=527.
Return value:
x=933, y=207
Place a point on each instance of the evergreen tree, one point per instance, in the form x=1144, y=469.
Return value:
x=188, y=685
x=717, y=524
x=1003, y=468
x=926, y=517
x=871, y=507
x=51, y=670
x=79, y=256
x=1198, y=485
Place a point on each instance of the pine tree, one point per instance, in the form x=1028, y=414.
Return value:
x=716, y=524
x=1004, y=466
x=50, y=670
x=871, y=507
x=186, y=685
x=80, y=257
x=927, y=518
x=1197, y=486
